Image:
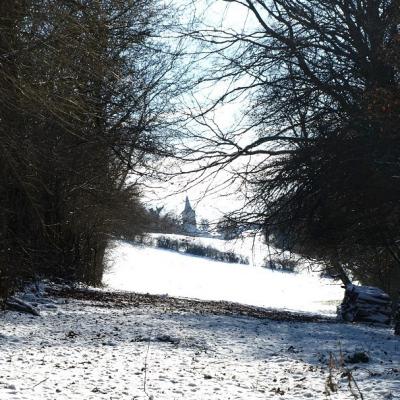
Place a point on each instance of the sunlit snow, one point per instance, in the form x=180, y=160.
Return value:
x=156, y=271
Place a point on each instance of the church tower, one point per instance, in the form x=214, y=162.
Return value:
x=189, y=218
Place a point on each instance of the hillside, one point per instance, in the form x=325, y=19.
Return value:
x=148, y=270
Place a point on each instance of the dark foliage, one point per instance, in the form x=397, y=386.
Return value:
x=281, y=264
x=157, y=222
x=186, y=247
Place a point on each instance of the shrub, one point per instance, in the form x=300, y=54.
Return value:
x=281, y=264
x=199, y=250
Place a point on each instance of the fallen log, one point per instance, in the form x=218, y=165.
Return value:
x=16, y=304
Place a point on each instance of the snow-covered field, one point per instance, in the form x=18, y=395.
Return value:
x=156, y=271
x=83, y=350
x=144, y=347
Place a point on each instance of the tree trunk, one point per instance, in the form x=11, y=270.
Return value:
x=340, y=270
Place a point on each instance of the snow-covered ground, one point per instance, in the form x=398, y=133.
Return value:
x=160, y=348
x=156, y=271
x=83, y=350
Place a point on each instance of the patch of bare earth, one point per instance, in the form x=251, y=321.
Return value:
x=174, y=304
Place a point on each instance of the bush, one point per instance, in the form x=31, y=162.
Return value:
x=199, y=250
x=166, y=243
x=281, y=264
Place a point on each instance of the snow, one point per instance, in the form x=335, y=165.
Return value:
x=86, y=350
x=156, y=271
x=369, y=293
x=145, y=349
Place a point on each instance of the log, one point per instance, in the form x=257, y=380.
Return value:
x=15, y=304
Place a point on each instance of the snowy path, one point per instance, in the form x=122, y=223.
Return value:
x=86, y=350
x=155, y=271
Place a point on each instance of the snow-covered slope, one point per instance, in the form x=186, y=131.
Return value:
x=155, y=271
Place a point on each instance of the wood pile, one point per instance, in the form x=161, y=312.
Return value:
x=365, y=304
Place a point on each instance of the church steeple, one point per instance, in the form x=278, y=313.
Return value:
x=188, y=207
x=189, y=218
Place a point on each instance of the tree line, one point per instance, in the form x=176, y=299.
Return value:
x=85, y=89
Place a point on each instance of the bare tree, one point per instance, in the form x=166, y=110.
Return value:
x=85, y=88
x=322, y=82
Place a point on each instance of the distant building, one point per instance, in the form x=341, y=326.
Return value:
x=189, y=218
